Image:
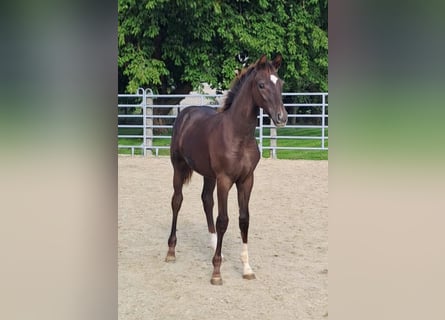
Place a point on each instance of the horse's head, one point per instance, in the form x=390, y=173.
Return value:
x=268, y=88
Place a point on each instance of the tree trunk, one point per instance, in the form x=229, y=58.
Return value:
x=183, y=88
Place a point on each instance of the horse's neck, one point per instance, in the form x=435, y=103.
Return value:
x=243, y=111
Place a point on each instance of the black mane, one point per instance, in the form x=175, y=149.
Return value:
x=236, y=86
x=238, y=82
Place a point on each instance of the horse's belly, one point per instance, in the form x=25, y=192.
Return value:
x=200, y=164
x=196, y=155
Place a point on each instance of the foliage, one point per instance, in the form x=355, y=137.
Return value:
x=174, y=46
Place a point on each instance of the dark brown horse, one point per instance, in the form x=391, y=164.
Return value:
x=221, y=146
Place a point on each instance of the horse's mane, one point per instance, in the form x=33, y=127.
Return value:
x=236, y=86
x=238, y=82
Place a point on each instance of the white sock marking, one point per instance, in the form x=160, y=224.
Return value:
x=273, y=78
x=245, y=260
x=213, y=242
x=213, y=239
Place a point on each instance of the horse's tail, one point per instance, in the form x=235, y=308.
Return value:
x=180, y=165
x=182, y=169
x=187, y=175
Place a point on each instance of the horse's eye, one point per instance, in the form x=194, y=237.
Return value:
x=261, y=85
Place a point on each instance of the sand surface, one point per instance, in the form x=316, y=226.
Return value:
x=288, y=245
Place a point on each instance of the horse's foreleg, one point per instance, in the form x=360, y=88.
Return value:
x=224, y=185
x=244, y=190
x=247, y=270
x=207, y=202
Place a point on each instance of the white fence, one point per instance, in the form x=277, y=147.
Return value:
x=145, y=121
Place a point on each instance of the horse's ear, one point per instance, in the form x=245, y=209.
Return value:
x=277, y=61
x=262, y=61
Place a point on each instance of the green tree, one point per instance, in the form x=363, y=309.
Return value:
x=174, y=46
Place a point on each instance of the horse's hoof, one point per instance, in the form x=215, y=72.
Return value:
x=170, y=258
x=216, y=281
x=249, y=276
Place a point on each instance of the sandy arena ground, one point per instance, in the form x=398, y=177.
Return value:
x=288, y=246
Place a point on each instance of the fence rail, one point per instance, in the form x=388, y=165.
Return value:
x=145, y=121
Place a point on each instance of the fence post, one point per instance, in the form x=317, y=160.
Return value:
x=273, y=142
x=261, y=133
x=323, y=112
x=148, y=122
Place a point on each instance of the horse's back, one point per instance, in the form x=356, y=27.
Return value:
x=192, y=119
x=191, y=114
x=197, y=111
x=190, y=137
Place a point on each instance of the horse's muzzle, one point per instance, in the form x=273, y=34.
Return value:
x=280, y=120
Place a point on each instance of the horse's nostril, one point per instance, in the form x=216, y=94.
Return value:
x=279, y=116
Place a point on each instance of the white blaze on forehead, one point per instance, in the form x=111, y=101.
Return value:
x=273, y=78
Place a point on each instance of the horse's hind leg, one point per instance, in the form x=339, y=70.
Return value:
x=181, y=174
x=207, y=202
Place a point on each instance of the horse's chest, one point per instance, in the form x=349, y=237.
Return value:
x=245, y=159
x=249, y=156
x=234, y=156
